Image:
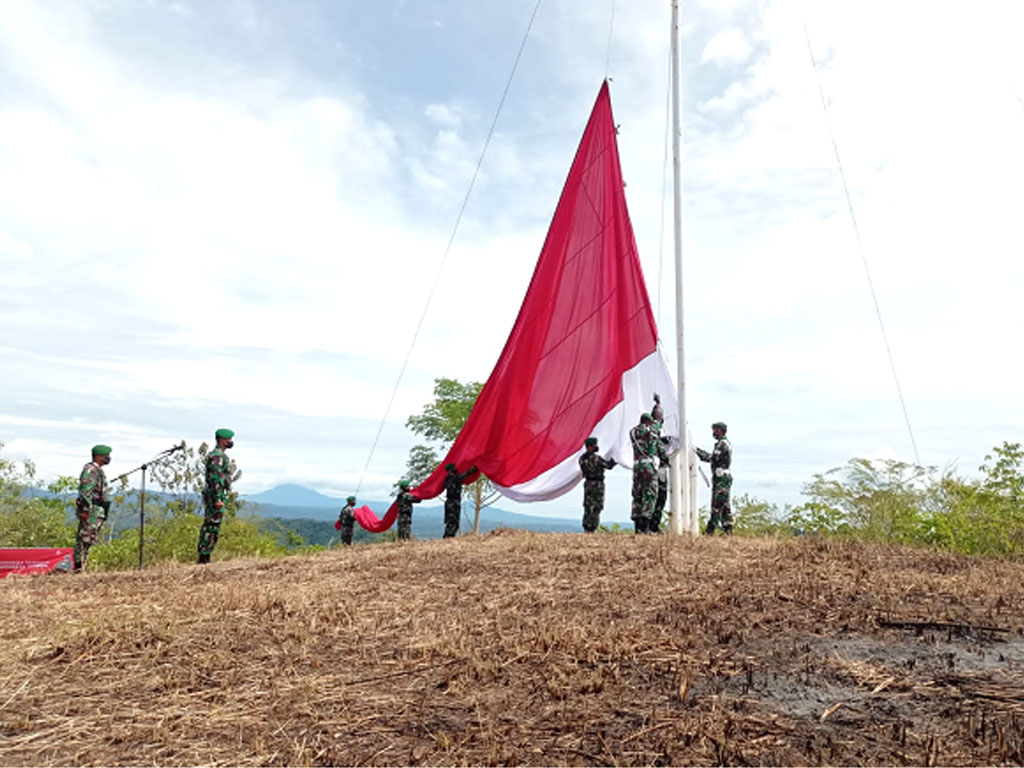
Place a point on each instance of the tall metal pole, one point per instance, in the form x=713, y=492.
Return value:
x=681, y=475
x=142, y=512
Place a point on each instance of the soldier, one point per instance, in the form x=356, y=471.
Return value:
x=405, y=502
x=644, y=437
x=453, y=482
x=346, y=519
x=593, y=465
x=659, y=502
x=220, y=471
x=92, y=504
x=657, y=412
x=721, y=479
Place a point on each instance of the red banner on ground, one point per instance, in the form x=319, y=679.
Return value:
x=35, y=560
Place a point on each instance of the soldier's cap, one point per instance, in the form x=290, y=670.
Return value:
x=719, y=424
x=351, y=498
x=646, y=417
x=450, y=467
x=101, y=450
x=403, y=483
x=590, y=441
x=227, y=434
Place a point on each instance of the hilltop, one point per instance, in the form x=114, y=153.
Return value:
x=523, y=648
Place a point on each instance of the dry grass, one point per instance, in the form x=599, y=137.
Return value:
x=520, y=648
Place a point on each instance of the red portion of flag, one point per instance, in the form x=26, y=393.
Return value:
x=586, y=319
x=366, y=518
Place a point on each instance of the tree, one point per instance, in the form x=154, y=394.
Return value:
x=440, y=422
x=28, y=519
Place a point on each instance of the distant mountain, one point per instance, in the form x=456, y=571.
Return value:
x=291, y=495
x=427, y=522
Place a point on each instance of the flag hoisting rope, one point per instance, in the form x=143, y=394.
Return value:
x=582, y=359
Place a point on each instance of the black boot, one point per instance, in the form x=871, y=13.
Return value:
x=641, y=524
x=204, y=558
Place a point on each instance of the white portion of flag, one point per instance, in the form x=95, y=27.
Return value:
x=639, y=384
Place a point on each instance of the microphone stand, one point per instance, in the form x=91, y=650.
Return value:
x=142, y=493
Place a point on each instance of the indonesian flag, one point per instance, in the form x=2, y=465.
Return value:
x=583, y=357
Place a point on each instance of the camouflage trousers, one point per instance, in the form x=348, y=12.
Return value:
x=404, y=525
x=645, y=492
x=452, y=512
x=209, y=531
x=593, y=504
x=721, y=509
x=89, y=524
x=659, y=507
x=346, y=534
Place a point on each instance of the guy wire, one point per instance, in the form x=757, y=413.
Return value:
x=608, y=54
x=860, y=245
x=448, y=248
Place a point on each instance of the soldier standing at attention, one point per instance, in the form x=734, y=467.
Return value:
x=405, y=502
x=347, y=519
x=593, y=465
x=453, y=482
x=219, y=472
x=644, y=437
x=721, y=479
x=92, y=504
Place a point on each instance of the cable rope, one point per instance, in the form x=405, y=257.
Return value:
x=608, y=54
x=664, y=183
x=860, y=244
x=448, y=248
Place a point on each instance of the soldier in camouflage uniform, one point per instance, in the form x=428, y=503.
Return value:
x=92, y=504
x=721, y=479
x=220, y=471
x=644, y=437
x=453, y=482
x=593, y=465
x=405, y=502
x=659, y=502
x=346, y=520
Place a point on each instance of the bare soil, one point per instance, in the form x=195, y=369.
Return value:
x=523, y=649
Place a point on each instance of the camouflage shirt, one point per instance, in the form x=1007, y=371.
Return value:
x=92, y=486
x=645, y=442
x=453, y=482
x=219, y=471
x=347, y=516
x=593, y=465
x=405, y=502
x=720, y=457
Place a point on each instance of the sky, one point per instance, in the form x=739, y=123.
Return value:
x=231, y=214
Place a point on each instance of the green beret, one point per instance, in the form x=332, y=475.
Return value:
x=101, y=450
x=718, y=424
x=351, y=498
x=645, y=417
x=403, y=483
x=450, y=467
x=590, y=441
x=227, y=434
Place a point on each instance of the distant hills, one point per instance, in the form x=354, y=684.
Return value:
x=296, y=502
x=291, y=495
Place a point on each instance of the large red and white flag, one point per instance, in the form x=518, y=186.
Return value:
x=583, y=357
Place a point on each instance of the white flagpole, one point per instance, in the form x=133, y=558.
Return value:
x=680, y=480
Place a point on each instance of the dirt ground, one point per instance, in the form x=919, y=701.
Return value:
x=522, y=648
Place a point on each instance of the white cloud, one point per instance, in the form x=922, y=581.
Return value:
x=729, y=47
